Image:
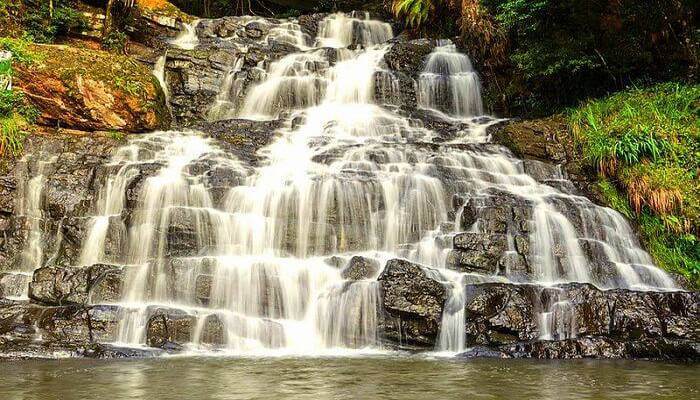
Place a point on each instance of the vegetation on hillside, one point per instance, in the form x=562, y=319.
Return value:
x=645, y=144
x=15, y=112
x=542, y=55
x=39, y=20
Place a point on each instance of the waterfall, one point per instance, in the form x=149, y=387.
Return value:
x=449, y=83
x=159, y=73
x=343, y=176
x=452, y=337
x=341, y=30
x=224, y=106
x=187, y=39
x=30, y=203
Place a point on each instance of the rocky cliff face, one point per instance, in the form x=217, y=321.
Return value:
x=486, y=239
x=505, y=319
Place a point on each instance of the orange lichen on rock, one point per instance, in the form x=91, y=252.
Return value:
x=92, y=90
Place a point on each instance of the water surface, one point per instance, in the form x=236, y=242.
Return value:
x=342, y=378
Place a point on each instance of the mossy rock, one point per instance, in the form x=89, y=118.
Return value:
x=92, y=90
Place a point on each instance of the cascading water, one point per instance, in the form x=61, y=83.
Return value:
x=32, y=254
x=159, y=73
x=187, y=39
x=449, y=83
x=344, y=176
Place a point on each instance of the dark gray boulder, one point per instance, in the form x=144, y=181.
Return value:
x=202, y=289
x=74, y=285
x=169, y=329
x=477, y=252
x=412, y=304
x=360, y=268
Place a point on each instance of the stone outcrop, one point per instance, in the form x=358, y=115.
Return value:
x=548, y=140
x=241, y=137
x=196, y=76
x=169, y=329
x=70, y=162
x=76, y=285
x=412, y=305
x=525, y=320
x=92, y=90
x=360, y=268
x=31, y=329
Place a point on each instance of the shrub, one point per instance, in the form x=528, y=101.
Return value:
x=42, y=26
x=115, y=41
x=20, y=50
x=646, y=145
x=12, y=134
x=414, y=12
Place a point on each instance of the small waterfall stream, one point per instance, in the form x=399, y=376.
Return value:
x=187, y=39
x=345, y=175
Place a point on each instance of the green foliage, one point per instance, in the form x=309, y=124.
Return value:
x=565, y=50
x=9, y=99
x=414, y=12
x=20, y=50
x=115, y=41
x=12, y=134
x=641, y=124
x=116, y=135
x=5, y=67
x=646, y=145
x=44, y=26
x=15, y=114
x=614, y=199
x=671, y=251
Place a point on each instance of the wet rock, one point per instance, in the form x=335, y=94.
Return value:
x=405, y=60
x=542, y=171
x=469, y=214
x=255, y=30
x=477, y=252
x=59, y=285
x=72, y=285
x=536, y=139
x=13, y=285
x=587, y=322
x=409, y=57
x=213, y=331
x=241, y=137
x=336, y=261
x=514, y=266
x=104, y=322
x=169, y=329
x=413, y=304
x=184, y=237
x=309, y=23
x=482, y=352
x=107, y=285
x=108, y=351
x=360, y=268
x=549, y=140
x=604, y=347
x=202, y=290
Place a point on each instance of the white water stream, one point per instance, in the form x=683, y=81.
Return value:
x=344, y=176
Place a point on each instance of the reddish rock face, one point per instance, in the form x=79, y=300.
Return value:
x=92, y=90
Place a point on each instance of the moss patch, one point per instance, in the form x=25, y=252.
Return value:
x=121, y=72
x=645, y=144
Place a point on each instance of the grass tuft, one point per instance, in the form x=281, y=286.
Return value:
x=645, y=144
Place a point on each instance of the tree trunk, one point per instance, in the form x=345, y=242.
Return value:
x=108, y=19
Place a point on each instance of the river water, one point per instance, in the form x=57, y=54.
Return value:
x=368, y=377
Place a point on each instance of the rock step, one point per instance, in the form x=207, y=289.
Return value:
x=508, y=318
